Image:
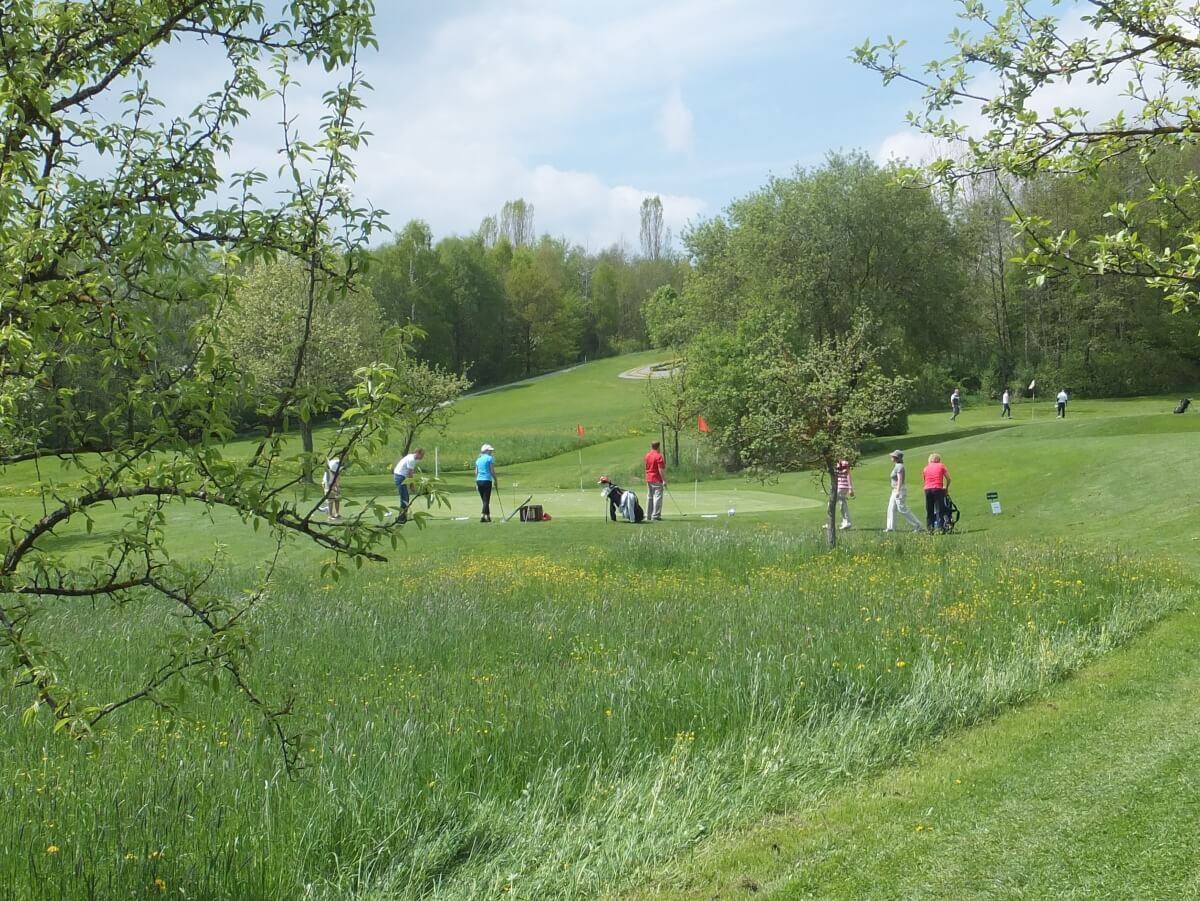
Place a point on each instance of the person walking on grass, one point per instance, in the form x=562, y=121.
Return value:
x=331, y=482
x=656, y=482
x=1062, y=404
x=955, y=404
x=485, y=480
x=403, y=472
x=845, y=490
x=1005, y=408
x=898, y=502
x=937, y=484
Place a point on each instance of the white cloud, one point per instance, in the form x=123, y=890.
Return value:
x=675, y=124
x=585, y=209
x=503, y=94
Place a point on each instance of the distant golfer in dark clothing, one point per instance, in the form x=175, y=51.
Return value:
x=937, y=483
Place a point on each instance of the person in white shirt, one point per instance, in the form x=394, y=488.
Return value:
x=1005, y=409
x=403, y=471
x=955, y=405
x=1062, y=404
x=331, y=483
x=898, y=503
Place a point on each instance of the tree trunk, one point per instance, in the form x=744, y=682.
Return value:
x=306, y=441
x=831, y=531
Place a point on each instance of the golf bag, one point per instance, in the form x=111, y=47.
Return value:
x=624, y=500
x=950, y=514
x=1183, y=405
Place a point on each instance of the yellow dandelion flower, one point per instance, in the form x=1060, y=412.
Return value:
x=160, y=885
x=900, y=664
x=131, y=856
x=53, y=849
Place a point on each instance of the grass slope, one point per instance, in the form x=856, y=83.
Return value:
x=1088, y=792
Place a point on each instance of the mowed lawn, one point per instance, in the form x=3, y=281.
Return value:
x=710, y=706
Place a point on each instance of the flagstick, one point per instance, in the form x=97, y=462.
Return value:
x=696, y=484
x=581, y=469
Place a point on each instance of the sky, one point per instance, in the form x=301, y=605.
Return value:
x=584, y=108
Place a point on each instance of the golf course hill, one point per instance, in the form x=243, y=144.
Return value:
x=711, y=706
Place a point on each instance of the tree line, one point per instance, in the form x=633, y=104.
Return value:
x=502, y=303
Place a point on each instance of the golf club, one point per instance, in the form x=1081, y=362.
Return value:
x=501, y=503
x=667, y=489
x=517, y=509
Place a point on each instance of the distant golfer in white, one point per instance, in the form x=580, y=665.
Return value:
x=1005, y=405
x=1062, y=404
x=331, y=483
x=898, y=502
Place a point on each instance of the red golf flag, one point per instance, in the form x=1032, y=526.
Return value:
x=702, y=425
x=579, y=429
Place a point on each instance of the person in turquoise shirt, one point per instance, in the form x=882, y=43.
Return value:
x=485, y=479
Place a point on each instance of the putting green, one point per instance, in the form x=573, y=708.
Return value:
x=686, y=502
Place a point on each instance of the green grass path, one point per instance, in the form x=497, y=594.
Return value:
x=1087, y=792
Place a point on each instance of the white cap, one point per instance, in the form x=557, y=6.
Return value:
x=486, y=449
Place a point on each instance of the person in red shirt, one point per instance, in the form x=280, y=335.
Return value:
x=937, y=483
x=655, y=482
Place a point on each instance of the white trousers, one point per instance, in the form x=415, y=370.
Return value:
x=842, y=499
x=898, y=503
x=654, y=499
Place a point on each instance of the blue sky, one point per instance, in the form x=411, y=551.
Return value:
x=585, y=108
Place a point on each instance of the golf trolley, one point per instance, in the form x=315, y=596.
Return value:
x=950, y=514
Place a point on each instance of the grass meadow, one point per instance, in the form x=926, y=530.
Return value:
x=564, y=710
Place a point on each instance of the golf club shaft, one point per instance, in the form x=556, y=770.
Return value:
x=673, y=501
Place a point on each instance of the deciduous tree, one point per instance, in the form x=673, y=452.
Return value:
x=271, y=323
x=999, y=99
x=804, y=409
x=114, y=213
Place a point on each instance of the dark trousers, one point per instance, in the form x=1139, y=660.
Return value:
x=485, y=495
x=1007, y=411
x=1062, y=409
x=935, y=507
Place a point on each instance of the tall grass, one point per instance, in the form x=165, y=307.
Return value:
x=547, y=725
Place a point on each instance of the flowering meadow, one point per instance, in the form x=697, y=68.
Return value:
x=548, y=723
